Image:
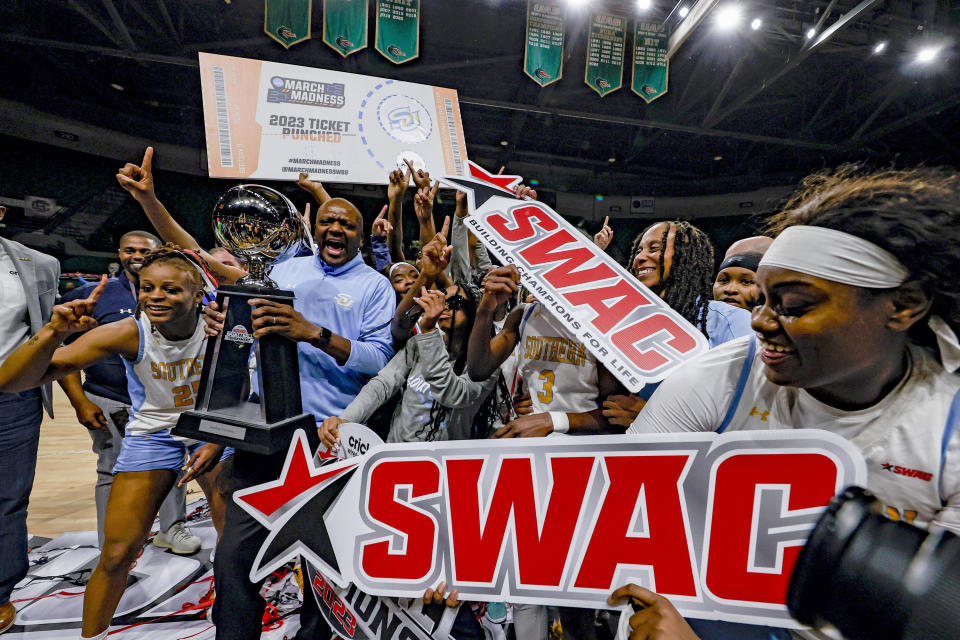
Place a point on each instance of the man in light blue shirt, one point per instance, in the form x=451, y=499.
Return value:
x=340, y=321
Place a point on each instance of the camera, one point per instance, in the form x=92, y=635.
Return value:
x=874, y=578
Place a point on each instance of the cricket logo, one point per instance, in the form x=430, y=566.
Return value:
x=396, y=52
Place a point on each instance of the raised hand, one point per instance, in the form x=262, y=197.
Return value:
x=435, y=255
x=462, y=209
x=433, y=303
x=499, y=285
x=605, y=235
x=138, y=181
x=398, y=182
x=523, y=192
x=381, y=226
x=314, y=188
x=77, y=315
x=421, y=178
x=423, y=202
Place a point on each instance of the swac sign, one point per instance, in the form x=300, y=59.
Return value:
x=634, y=333
x=715, y=522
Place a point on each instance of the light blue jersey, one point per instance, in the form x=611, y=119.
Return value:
x=354, y=302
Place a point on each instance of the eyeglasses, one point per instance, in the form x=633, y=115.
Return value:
x=456, y=302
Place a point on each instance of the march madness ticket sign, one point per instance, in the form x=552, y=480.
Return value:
x=273, y=121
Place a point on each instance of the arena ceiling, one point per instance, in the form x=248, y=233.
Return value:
x=745, y=108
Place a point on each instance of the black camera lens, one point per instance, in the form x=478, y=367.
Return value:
x=871, y=577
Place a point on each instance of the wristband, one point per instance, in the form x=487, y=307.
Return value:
x=561, y=423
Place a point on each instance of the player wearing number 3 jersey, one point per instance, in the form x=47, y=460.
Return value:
x=162, y=348
x=558, y=371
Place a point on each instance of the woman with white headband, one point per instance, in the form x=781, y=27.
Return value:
x=856, y=334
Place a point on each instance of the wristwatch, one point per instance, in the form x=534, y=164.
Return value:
x=323, y=339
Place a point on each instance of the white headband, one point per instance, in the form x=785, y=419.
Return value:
x=841, y=257
x=836, y=256
x=394, y=266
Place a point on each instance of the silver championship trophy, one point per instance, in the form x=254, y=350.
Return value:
x=260, y=226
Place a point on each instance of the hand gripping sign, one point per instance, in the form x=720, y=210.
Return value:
x=634, y=333
x=713, y=521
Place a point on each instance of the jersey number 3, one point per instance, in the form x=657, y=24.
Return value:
x=546, y=396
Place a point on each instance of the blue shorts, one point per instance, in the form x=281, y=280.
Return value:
x=154, y=451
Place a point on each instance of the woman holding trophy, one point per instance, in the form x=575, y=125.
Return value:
x=162, y=347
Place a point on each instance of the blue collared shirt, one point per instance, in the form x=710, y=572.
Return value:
x=354, y=302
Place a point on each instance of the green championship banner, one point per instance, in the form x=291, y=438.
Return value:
x=650, y=62
x=543, y=53
x=608, y=35
x=398, y=30
x=287, y=21
x=345, y=25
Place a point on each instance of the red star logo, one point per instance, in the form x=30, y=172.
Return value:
x=507, y=183
x=299, y=475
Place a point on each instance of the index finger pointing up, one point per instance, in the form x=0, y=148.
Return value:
x=95, y=294
x=147, y=160
x=606, y=221
x=446, y=228
x=383, y=212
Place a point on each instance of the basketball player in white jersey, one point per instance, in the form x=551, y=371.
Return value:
x=566, y=384
x=855, y=334
x=162, y=347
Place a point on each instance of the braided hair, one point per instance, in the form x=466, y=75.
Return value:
x=688, y=287
x=487, y=413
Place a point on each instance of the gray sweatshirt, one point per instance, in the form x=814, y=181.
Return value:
x=460, y=269
x=424, y=370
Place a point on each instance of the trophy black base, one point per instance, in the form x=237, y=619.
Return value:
x=254, y=437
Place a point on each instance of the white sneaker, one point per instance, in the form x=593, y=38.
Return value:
x=178, y=539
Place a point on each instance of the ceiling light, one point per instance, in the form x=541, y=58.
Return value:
x=504, y=143
x=880, y=47
x=728, y=16
x=756, y=23
x=644, y=5
x=810, y=33
x=927, y=54
x=683, y=12
x=116, y=86
x=577, y=3
x=718, y=158
x=612, y=159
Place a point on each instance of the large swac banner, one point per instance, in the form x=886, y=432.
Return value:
x=713, y=521
x=270, y=120
x=629, y=329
